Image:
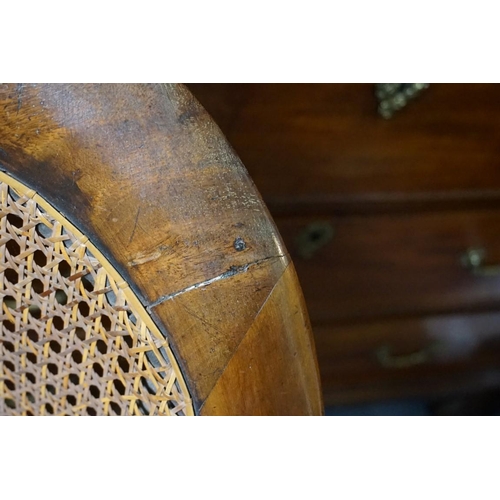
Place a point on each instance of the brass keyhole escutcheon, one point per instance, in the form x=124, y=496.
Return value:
x=314, y=237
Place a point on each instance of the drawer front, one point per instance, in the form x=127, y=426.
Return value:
x=311, y=141
x=384, y=265
x=407, y=357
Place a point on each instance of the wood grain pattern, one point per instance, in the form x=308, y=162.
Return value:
x=398, y=264
x=208, y=336
x=147, y=175
x=249, y=369
x=324, y=145
x=462, y=354
x=93, y=138
x=405, y=198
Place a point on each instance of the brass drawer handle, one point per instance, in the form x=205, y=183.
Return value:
x=388, y=360
x=394, y=96
x=473, y=260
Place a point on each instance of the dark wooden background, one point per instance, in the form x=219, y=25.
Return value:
x=401, y=201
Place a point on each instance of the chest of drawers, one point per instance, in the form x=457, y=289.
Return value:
x=393, y=225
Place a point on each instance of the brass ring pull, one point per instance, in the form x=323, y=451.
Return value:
x=473, y=260
x=388, y=360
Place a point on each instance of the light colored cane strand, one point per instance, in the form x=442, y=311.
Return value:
x=75, y=339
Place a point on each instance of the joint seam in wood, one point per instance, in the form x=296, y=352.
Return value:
x=232, y=271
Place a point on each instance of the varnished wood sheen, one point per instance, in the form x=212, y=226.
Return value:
x=451, y=352
x=404, y=198
x=144, y=172
x=382, y=265
x=305, y=144
x=250, y=370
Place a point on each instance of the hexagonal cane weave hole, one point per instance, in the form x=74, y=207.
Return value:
x=74, y=338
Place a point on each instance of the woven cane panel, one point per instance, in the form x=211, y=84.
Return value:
x=74, y=339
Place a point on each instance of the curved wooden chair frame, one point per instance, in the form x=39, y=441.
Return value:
x=135, y=187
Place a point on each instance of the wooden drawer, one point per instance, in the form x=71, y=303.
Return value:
x=307, y=144
x=408, y=357
x=394, y=264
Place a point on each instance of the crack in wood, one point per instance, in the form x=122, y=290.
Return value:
x=232, y=271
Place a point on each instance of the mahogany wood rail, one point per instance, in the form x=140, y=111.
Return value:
x=141, y=273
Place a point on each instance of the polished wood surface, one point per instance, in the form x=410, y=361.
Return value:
x=252, y=370
x=144, y=172
x=325, y=144
x=411, y=356
x=377, y=215
x=396, y=264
